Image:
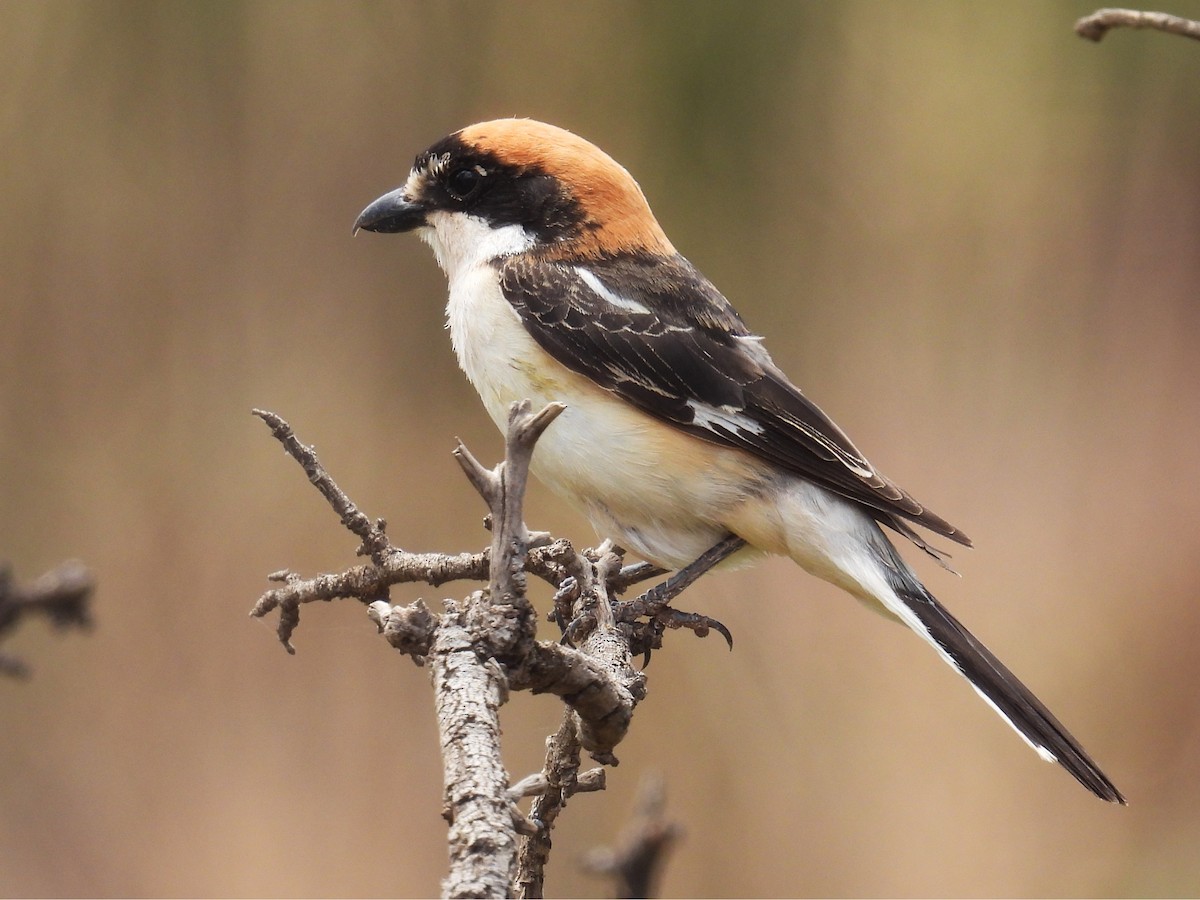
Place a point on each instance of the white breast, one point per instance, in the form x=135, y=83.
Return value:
x=646, y=485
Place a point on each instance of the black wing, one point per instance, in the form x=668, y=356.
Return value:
x=657, y=333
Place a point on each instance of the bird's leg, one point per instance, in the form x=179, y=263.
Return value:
x=663, y=593
x=655, y=603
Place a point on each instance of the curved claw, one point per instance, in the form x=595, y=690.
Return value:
x=723, y=631
x=669, y=617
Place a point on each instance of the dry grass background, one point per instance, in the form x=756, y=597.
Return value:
x=971, y=236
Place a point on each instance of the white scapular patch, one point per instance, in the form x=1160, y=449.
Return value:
x=600, y=290
x=729, y=419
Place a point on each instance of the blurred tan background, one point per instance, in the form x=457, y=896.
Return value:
x=971, y=236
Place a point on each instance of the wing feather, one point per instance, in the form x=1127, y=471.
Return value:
x=655, y=332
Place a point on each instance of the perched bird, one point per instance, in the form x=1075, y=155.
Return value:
x=680, y=430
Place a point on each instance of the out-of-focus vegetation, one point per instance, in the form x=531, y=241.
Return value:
x=971, y=236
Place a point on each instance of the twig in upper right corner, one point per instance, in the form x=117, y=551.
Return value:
x=1102, y=21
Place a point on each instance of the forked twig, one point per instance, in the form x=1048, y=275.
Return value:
x=486, y=645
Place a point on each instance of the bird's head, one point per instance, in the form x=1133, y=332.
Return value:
x=515, y=185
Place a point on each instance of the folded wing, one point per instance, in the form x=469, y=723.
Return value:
x=659, y=335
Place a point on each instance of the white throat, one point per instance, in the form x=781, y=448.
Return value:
x=462, y=242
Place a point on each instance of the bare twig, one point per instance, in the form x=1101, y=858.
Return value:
x=560, y=776
x=469, y=683
x=609, y=646
x=375, y=543
x=559, y=779
x=1099, y=23
x=366, y=583
x=62, y=595
x=631, y=575
x=507, y=616
x=486, y=645
x=638, y=857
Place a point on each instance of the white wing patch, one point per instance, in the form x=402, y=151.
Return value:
x=727, y=418
x=600, y=290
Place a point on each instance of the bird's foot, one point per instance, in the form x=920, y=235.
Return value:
x=648, y=617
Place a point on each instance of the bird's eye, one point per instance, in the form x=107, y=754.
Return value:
x=463, y=183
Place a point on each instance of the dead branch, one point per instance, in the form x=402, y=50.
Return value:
x=1099, y=23
x=374, y=540
x=468, y=692
x=559, y=779
x=486, y=645
x=366, y=583
x=637, y=859
x=469, y=683
x=62, y=595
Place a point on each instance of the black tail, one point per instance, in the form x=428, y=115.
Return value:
x=1002, y=690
